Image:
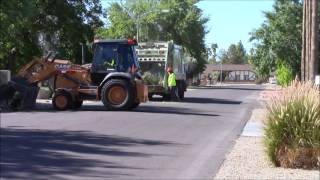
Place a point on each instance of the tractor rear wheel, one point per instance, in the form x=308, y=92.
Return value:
x=61, y=101
x=135, y=105
x=118, y=94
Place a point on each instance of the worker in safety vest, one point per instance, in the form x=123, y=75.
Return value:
x=110, y=63
x=172, y=84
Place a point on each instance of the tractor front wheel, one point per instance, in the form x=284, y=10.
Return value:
x=61, y=101
x=117, y=94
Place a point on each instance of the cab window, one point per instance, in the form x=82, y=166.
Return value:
x=105, y=56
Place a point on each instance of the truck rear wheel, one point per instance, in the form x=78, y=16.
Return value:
x=117, y=94
x=150, y=97
x=166, y=97
x=181, y=93
x=181, y=89
x=135, y=105
x=61, y=101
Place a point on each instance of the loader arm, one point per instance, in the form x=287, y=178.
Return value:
x=37, y=70
x=21, y=92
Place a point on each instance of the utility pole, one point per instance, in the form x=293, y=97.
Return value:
x=83, y=59
x=309, y=54
x=220, y=72
x=137, y=19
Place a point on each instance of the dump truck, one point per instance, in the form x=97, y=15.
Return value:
x=154, y=58
x=113, y=77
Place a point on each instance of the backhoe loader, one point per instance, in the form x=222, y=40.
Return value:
x=113, y=77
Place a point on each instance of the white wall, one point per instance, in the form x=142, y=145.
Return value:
x=241, y=76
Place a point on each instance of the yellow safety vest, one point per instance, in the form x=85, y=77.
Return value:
x=172, y=80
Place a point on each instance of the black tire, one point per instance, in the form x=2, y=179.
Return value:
x=150, y=96
x=62, y=101
x=181, y=93
x=166, y=97
x=125, y=99
x=77, y=104
x=135, y=105
x=181, y=88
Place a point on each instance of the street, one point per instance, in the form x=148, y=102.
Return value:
x=158, y=140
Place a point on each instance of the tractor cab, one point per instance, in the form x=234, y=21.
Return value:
x=113, y=56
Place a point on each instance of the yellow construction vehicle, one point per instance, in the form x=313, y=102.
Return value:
x=113, y=77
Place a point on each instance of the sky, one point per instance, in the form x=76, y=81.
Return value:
x=233, y=20
x=230, y=21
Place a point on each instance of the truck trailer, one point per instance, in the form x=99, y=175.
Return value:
x=154, y=58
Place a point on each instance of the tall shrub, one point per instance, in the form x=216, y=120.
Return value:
x=284, y=75
x=292, y=133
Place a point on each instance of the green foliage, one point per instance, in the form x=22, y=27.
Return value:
x=212, y=60
x=151, y=79
x=262, y=60
x=183, y=24
x=120, y=24
x=278, y=40
x=236, y=54
x=284, y=75
x=293, y=119
x=35, y=26
x=212, y=53
x=16, y=31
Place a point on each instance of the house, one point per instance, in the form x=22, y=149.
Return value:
x=229, y=72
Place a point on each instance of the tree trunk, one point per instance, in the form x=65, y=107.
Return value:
x=309, y=53
x=314, y=40
x=303, y=52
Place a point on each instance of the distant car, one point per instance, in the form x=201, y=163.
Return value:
x=317, y=80
x=272, y=80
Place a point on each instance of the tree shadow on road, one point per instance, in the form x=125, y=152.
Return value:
x=173, y=110
x=202, y=100
x=232, y=88
x=48, y=154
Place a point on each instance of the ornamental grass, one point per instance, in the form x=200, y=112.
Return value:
x=292, y=131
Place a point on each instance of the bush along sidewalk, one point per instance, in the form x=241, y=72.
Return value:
x=292, y=131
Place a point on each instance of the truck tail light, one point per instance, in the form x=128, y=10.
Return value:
x=132, y=42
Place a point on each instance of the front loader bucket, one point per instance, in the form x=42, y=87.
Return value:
x=18, y=95
x=6, y=93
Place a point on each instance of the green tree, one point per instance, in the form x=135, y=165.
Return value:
x=284, y=75
x=236, y=54
x=33, y=26
x=278, y=40
x=17, y=32
x=184, y=24
x=212, y=53
x=124, y=17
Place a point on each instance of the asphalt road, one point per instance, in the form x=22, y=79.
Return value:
x=158, y=140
